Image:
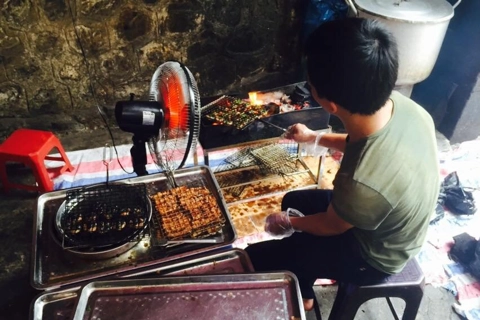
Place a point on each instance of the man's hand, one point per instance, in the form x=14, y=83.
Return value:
x=279, y=225
x=321, y=224
x=300, y=133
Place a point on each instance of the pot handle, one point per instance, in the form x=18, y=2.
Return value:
x=454, y=6
x=355, y=12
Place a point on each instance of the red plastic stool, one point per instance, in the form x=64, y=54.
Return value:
x=31, y=147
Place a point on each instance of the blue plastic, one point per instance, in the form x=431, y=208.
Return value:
x=319, y=11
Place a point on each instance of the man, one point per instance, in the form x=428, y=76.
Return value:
x=376, y=217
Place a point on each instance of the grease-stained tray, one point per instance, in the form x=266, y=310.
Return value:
x=60, y=304
x=233, y=296
x=54, y=267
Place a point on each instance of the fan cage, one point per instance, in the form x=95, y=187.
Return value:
x=174, y=86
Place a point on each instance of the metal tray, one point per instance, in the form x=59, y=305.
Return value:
x=231, y=261
x=233, y=296
x=53, y=267
x=60, y=305
x=210, y=233
x=214, y=137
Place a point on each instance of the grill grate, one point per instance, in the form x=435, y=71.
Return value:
x=104, y=215
x=235, y=112
x=279, y=158
x=186, y=213
x=275, y=159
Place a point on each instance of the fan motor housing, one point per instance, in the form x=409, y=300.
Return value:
x=140, y=117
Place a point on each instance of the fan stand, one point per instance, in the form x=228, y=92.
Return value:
x=139, y=154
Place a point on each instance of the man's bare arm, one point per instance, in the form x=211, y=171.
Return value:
x=336, y=141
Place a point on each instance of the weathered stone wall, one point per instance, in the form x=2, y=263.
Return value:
x=62, y=58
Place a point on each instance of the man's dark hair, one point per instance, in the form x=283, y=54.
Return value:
x=354, y=63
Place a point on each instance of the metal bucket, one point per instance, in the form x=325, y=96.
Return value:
x=419, y=27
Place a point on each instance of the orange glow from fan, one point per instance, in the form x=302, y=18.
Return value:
x=174, y=102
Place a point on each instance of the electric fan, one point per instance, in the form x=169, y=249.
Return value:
x=169, y=123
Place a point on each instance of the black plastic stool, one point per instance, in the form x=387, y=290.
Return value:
x=407, y=285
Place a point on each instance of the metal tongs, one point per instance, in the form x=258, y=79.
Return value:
x=164, y=242
x=107, y=158
x=272, y=125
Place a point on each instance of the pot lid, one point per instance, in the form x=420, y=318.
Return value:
x=408, y=10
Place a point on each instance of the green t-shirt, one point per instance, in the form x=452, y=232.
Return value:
x=387, y=186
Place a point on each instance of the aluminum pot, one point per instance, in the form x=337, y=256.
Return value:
x=419, y=27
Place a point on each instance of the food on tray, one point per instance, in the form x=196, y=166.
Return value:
x=188, y=212
x=176, y=225
x=103, y=219
x=235, y=112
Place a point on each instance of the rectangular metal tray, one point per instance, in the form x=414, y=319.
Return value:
x=228, y=296
x=53, y=267
x=60, y=305
x=214, y=137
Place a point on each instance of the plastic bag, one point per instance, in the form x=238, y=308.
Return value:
x=314, y=148
x=457, y=199
x=319, y=11
x=279, y=226
x=466, y=251
x=474, y=265
x=463, y=251
x=439, y=213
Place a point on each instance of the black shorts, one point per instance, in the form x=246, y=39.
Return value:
x=312, y=257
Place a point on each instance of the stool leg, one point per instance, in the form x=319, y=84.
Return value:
x=338, y=303
x=4, y=177
x=40, y=172
x=412, y=304
x=346, y=304
x=63, y=157
x=316, y=308
x=68, y=166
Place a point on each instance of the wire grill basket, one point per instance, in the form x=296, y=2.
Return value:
x=104, y=215
x=186, y=213
x=278, y=158
x=275, y=159
x=250, y=163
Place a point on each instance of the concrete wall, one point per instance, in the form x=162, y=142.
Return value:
x=61, y=58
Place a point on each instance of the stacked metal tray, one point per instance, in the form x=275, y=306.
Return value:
x=204, y=280
x=53, y=266
x=60, y=304
x=255, y=296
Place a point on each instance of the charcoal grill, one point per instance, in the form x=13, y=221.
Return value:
x=54, y=265
x=237, y=113
x=103, y=216
x=213, y=137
